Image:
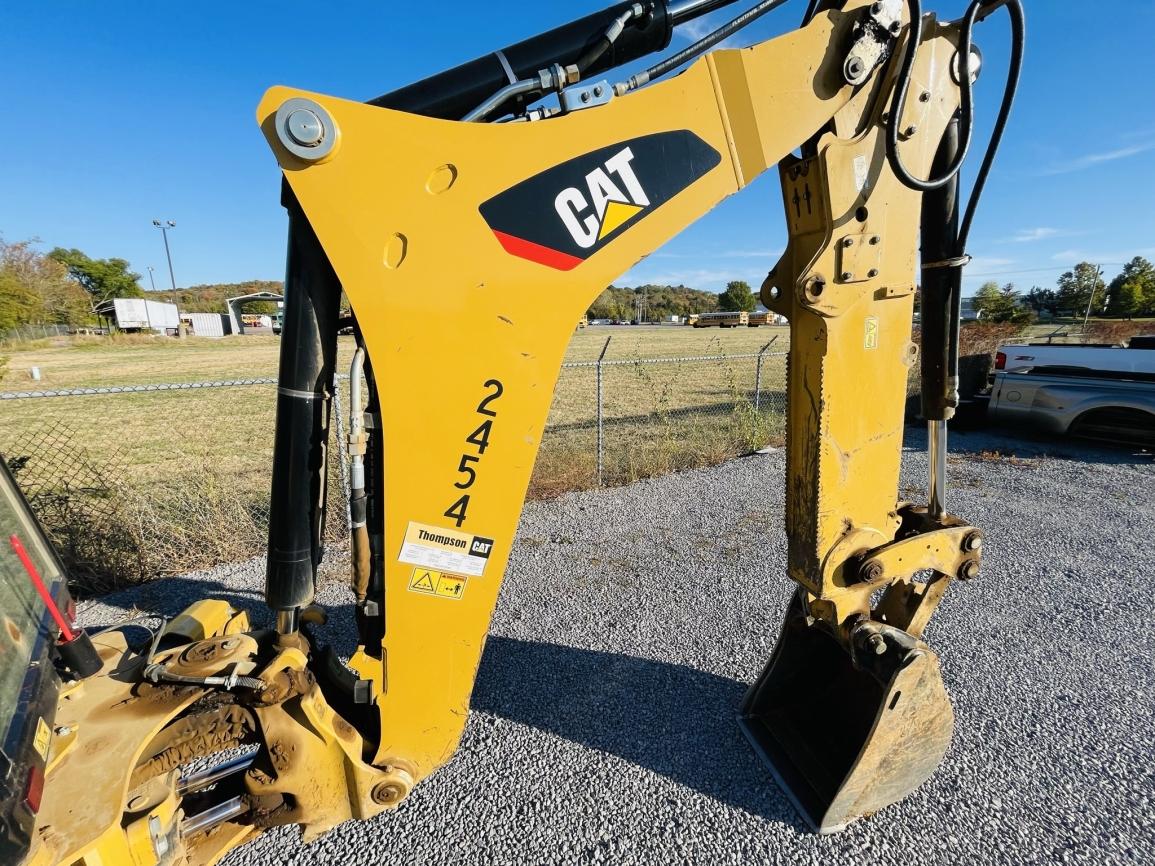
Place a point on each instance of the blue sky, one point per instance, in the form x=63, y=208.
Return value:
x=117, y=113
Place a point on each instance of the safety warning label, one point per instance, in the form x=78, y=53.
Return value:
x=43, y=738
x=445, y=549
x=431, y=582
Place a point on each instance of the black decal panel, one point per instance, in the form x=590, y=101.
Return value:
x=565, y=214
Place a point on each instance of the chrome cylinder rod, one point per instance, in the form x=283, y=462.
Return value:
x=213, y=817
x=936, y=447
x=288, y=620
x=682, y=11
x=197, y=781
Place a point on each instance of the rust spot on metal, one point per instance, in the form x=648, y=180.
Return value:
x=13, y=630
x=343, y=728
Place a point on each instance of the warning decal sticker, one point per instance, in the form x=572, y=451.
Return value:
x=42, y=739
x=430, y=582
x=445, y=550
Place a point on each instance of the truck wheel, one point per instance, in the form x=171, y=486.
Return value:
x=1116, y=424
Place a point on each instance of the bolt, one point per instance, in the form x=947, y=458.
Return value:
x=848, y=242
x=875, y=240
x=895, y=28
x=855, y=69
x=63, y=730
x=870, y=571
x=847, y=276
x=910, y=130
x=973, y=541
x=875, y=8
x=599, y=90
x=877, y=644
x=585, y=96
x=872, y=273
x=969, y=570
x=305, y=128
x=924, y=96
x=392, y=790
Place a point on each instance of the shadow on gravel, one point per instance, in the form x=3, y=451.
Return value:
x=670, y=719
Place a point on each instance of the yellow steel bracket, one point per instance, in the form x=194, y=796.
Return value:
x=466, y=324
x=846, y=283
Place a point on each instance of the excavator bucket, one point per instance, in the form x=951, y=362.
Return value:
x=846, y=734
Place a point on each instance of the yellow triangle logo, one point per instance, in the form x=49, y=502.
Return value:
x=617, y=214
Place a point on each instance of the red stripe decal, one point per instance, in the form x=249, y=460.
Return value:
x=524, y=249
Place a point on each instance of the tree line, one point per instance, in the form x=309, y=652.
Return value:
x=621, y=304
x=1130, y=293
x=65, y=286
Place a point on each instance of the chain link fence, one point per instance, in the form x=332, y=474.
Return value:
x=139, y=481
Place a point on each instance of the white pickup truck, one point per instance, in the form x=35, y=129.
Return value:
x=1139, y=357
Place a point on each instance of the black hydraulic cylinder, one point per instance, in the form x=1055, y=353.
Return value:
x=941, y=287
x=452, y=94
x=308, y=358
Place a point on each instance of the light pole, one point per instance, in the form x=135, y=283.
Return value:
x=151, y=280
x=164, y=227
x=1094, y=285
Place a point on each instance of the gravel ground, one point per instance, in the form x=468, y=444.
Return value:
x=603, y=727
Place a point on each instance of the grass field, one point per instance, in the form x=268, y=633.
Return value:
x=162, y=482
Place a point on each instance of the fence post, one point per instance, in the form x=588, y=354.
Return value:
x=601, y=430
x=758, y=375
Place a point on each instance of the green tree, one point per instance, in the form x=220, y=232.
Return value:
x=1042, y=300
x=35, y=289
x=17, y=303
x=737, y=297
x=1076, y=288
x=1127, y=300
x=102, y=279
x=1132, y=292
x=997, y=304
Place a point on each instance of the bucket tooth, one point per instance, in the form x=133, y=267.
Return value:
x=846, y=736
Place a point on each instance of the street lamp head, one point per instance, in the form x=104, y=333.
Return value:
x=156, y=223
x=172, y=224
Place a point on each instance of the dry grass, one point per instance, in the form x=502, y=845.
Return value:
x=179, y=480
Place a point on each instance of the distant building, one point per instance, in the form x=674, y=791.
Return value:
x=207, y=324
x=134, y=315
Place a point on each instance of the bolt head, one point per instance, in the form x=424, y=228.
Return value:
x=871, y=572
x=848, y=242
x=969, y=570
x=924, y=96
x=847, y=276
x=877, y=644
x=910, y=130
x=875, y=240
x=872, y=273
x=305, y=128
x=973, y=542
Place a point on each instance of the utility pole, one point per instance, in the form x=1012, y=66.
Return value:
x=151, y=279
x=1098, y=278
x=164, y=227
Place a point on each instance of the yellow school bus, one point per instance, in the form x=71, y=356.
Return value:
x=722, y=320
